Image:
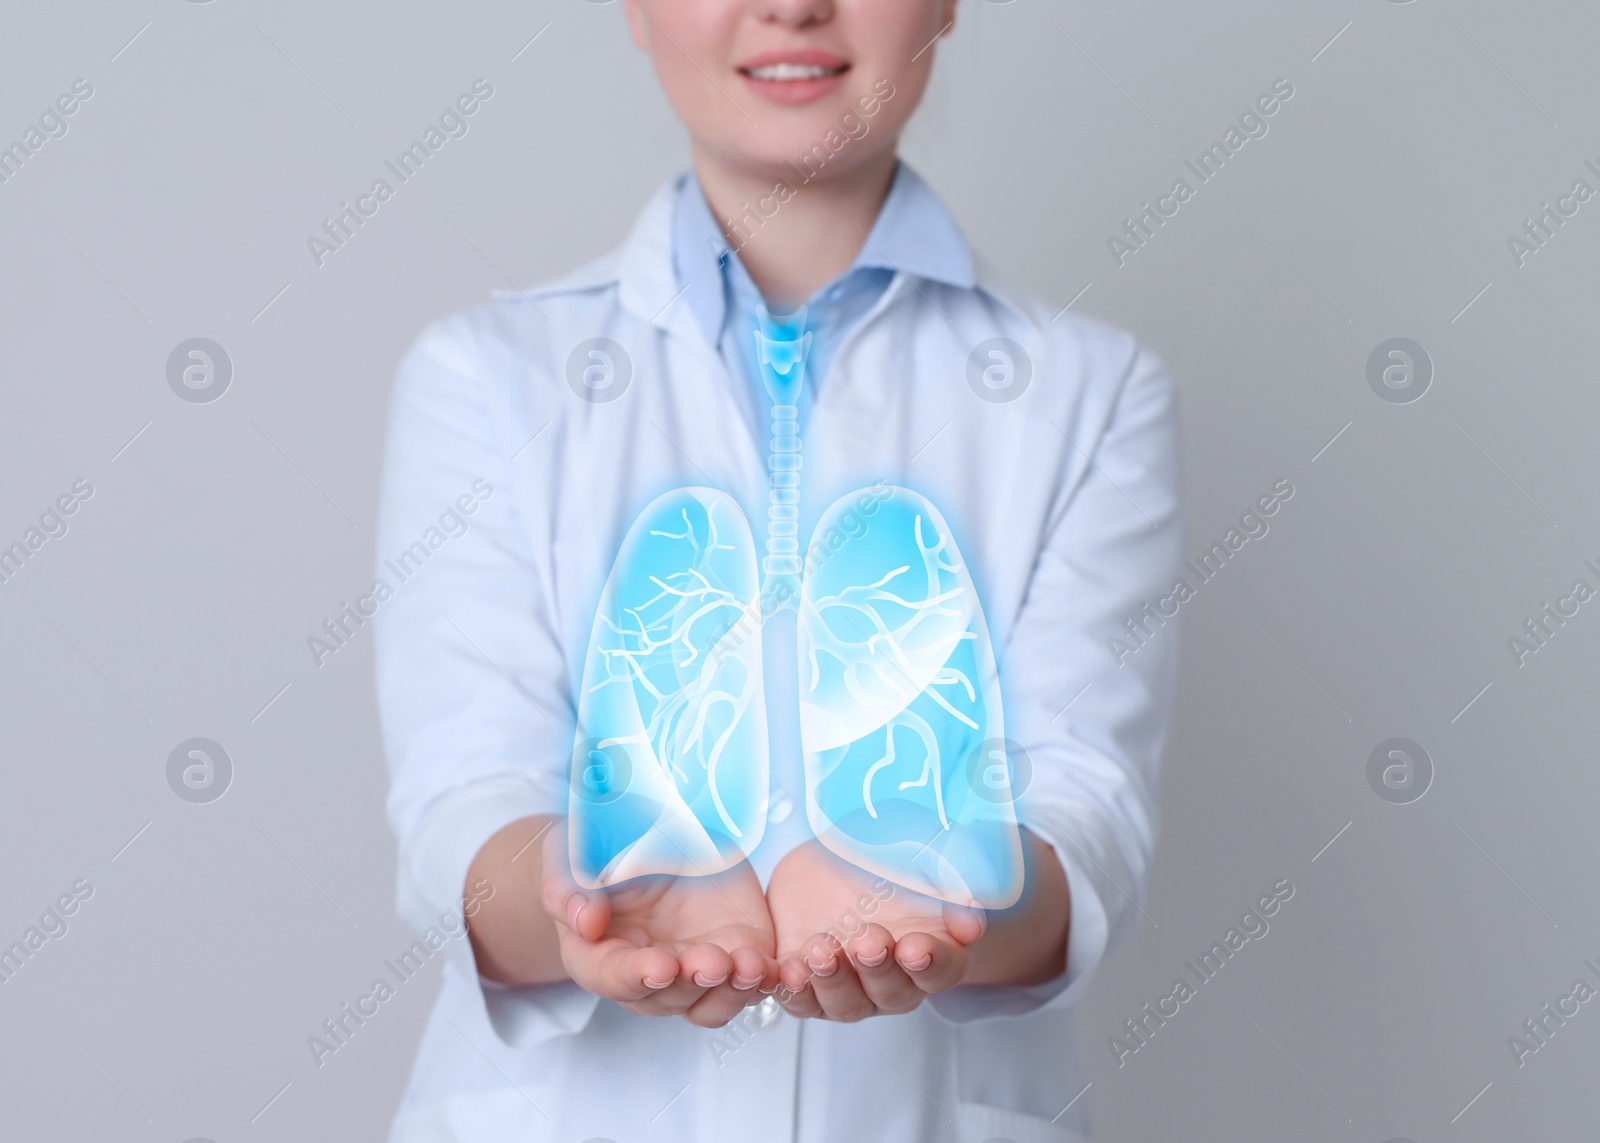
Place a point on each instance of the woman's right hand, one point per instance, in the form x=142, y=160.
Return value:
x=698, y=947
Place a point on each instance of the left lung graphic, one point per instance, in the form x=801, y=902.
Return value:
x=901, y=720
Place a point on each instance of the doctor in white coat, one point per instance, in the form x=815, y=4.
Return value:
x=514, y=467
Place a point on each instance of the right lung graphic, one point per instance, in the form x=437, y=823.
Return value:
x=669, y=773
x=900, y=709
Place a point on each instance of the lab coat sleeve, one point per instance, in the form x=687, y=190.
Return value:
x=472, y=686
x=1092, y=715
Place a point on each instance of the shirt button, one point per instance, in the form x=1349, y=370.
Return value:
x=767, y=1012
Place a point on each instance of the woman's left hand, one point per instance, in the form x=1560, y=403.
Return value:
x=852, y=945
x=836, y=967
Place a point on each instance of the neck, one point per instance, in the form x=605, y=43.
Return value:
x=806, y=242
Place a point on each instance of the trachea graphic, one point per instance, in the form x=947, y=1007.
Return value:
x=782, y=346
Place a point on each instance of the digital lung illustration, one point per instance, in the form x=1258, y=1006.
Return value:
x=900, y=706
x=669, y=773
x=907, y=774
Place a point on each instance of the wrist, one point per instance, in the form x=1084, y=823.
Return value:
x=1027, y=943
x=514, y=941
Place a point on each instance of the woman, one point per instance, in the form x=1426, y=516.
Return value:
x=727, y=1006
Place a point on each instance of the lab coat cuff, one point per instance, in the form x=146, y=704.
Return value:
x=455, y=828
x=440, y=855
x=1088, y=932
x=524, y=1017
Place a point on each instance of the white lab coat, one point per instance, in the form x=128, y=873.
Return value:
x=1065, y=504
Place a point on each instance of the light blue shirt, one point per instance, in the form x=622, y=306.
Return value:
x=914, y=234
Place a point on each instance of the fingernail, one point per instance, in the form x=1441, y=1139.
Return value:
x=917, y=965
x=827, y=969
x=875, y=960
x=575, y=907
x=648, y=983
x=707, y=982
x=744, y=985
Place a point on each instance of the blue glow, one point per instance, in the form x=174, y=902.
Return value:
x=901, y=722
x=670, y=769
x=900, y=708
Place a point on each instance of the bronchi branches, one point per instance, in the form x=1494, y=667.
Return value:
x=669, y=655
x=885, y=668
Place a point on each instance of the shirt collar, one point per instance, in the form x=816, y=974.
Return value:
x=914, y=235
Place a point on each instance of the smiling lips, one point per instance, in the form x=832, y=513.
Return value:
x=792, y=78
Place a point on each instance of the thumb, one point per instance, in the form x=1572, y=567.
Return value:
x=587, y=912
x=965, y=924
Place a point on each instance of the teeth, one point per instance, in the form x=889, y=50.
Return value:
x=792, y=71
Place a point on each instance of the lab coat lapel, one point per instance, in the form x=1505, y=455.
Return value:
x=647, y=287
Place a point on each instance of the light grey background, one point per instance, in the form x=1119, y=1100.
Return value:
x=1420, y=135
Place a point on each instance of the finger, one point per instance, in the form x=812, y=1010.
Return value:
x=964, y=924
x=794, y=974
x=675, y=999
x=834, y=980
x=886, y=983
x=721, y=1004
x=754, y=972
x=933, y=963
x=586, y=912
x=618, y=971
x=794, y=990
x=700, y=969
x=707, y=965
